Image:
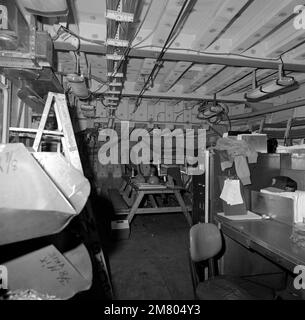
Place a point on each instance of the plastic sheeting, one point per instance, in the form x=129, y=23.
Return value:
x=50, y=272
x=37, y=198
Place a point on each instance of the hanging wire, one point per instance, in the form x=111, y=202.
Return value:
x=219, y=54
x=159, y=62
x=214, y=113
x=127, y=50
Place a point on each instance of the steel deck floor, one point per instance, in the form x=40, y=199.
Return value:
x=153, y=263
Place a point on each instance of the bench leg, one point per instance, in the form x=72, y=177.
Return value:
x=128, y=195
x=135, y=206
x=183, y=207
x=153, y=201
x=123, y=186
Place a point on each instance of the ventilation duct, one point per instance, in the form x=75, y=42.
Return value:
x=49, y=8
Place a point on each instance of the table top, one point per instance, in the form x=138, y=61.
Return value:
x=269, y=237
x=162, y=188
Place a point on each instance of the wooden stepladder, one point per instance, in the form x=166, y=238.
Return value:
x=69, y=147
x=64, y=130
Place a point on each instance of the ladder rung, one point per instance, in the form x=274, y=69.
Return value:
x=30, y=130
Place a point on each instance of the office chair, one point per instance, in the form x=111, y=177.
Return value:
x=206, y=243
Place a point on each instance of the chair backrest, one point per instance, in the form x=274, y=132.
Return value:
x=175, y=173
x=205, y=241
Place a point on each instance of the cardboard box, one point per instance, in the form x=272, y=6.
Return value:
x=120, y=229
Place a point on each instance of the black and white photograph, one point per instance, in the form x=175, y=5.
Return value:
x=152, y=153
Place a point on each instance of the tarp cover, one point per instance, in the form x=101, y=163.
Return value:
x=50, y=272
x=33, y=201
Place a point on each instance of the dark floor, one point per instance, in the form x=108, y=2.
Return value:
x=153, y=263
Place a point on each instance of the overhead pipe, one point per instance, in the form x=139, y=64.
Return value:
x=286, y=106
x=117, y=120
x=6, y=111
x=161, y=96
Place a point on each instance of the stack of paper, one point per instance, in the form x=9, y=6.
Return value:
x=249, y=216
x=231, y=192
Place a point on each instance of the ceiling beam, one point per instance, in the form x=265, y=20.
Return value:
x=146, y=68
x=281, y=41
x=169, y=16
x=297, y=53
x=73, y=17
x=245, y=82
x=225, y=78
x=170, y=80
x=185, y=55
x=210, y=31
x=184, y=97
x=271, y=14
x=274, y=109
x=202, y=77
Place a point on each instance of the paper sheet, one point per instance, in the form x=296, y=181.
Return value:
x=249, y=216
x=231, y=192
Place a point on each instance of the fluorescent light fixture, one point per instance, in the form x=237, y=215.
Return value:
x=273, y=88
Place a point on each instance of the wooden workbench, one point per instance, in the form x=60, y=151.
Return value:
x=137, y=193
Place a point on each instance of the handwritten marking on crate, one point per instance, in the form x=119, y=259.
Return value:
x=8, y=163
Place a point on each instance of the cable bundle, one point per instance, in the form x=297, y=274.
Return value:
x=179, y=22
x=213, y=112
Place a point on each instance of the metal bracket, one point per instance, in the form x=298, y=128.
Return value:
x=115, y=74
x=115, y=84
x=120, y=16
x=115, y=56
x=113, y=92
x=117, y=42
x=113, y=98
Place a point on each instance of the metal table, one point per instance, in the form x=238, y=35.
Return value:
x=269, y=238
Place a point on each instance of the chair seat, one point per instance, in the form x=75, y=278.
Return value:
x=223, y=288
